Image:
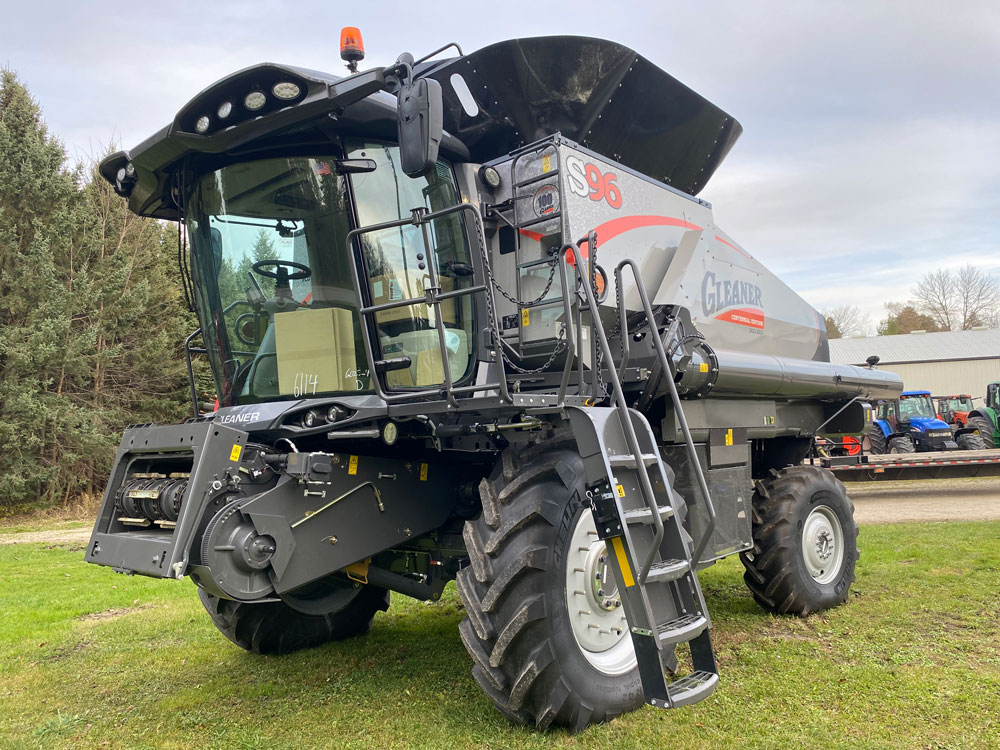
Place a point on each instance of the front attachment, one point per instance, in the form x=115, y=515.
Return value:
x=164, y=478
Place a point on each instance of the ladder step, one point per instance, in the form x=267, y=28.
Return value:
x=692, y=688
x=645, y=515
x=667, y=570
x=628, y=461
x=681, y=629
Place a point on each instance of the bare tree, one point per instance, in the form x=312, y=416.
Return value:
x=961, y=299
x=978, y=296
x=845, y=321
x=935, y=296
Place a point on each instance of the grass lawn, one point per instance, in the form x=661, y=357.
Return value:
x=93, y=659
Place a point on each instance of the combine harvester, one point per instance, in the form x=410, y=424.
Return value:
x=500, y=341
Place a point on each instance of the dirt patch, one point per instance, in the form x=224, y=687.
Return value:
x=57, y=536
x=110, y=614
x=933, y=500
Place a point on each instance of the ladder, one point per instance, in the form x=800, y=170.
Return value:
x=640, y=518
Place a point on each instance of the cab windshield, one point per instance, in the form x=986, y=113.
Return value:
x=960, y=403
x=916, y=406
x=273, y=279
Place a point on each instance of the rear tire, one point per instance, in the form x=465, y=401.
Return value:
x=518, y=627
x=805, y=542
x=901, y=445
x=876, y=440
x=276, y=628
x=985, y=428
x=971, y=441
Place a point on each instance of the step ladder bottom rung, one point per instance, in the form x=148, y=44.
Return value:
x=692, y=688
x=628, y=461
x=667, y=570
x=681, y=629
x=645, y=515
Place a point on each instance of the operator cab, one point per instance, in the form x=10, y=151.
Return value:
x=273, y=276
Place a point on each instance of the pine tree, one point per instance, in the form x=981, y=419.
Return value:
x=91, y=317
x=39, y=235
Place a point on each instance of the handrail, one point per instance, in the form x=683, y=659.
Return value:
x=432, y=297
x=624, y=417
x=188, y=351
x=665, y=364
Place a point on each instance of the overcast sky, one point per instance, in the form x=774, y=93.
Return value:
x=871, y=144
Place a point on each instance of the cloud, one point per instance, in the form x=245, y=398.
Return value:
x=870, y=147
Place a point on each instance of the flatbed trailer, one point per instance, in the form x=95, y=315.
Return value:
x=933, y=465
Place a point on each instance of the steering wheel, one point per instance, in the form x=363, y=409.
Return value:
x=280, y=273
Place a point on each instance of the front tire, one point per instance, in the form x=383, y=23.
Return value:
x=901, y=445
x=519, y=629
x=276, y=628
x=805, y=542
x=971, y=441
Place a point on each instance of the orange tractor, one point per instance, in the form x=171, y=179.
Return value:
x=954, y=409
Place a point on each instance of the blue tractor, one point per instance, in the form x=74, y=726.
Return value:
x=911, y=424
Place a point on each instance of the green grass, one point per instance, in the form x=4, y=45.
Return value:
x=92, y=659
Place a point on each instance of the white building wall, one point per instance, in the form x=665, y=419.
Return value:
x=947, y=378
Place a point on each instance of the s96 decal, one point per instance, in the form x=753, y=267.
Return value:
x=586, y=180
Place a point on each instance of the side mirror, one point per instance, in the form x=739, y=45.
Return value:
x=420, y=122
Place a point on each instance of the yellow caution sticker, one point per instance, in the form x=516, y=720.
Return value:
x=703, y=367
x=729, y=436
x=525, y=318
x=619, y=548
x=352, y=465
x=423, y=472
x=234, y=454
x=621, y=491
x=547, y=163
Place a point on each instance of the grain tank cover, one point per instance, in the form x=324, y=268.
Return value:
x=598, y=93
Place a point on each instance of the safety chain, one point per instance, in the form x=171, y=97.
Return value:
x=491, y=312
x=548, y=285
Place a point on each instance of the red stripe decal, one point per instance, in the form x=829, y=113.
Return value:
x=744, y=316
x=611, y=229
x=744, y=253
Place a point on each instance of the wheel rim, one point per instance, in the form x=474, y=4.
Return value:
x=592, y=602
x=823, y=544
x=324, y=597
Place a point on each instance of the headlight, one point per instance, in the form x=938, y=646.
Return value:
x=286, y=90
x=225, y=109
x=202, y=124
x=254, y=100
x=490, y=177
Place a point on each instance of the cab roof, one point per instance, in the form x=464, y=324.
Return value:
x=904, y=394
x=599, y=93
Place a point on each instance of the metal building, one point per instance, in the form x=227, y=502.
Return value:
x=943, y=363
